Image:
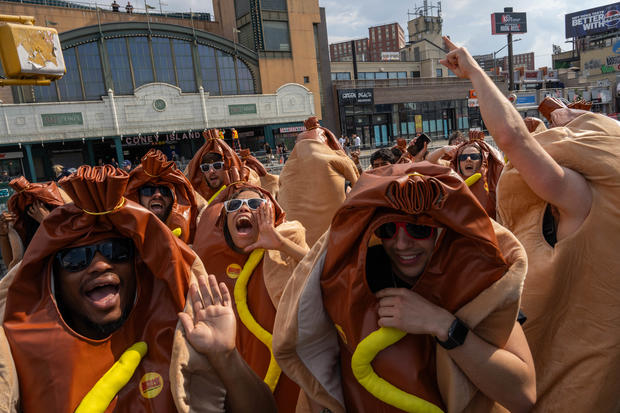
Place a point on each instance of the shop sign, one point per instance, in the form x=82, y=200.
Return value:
x=592, y=64
x=505, y=23
x=418, y=123
x=11, y=155
x=293, y=129
x=390, y=56
x=527, y=100
x=472, y=103
x=62, y=119
x=244, y=109
x=355, y=96
x=161, y=139
x=590, y=21
x=616, y=47
x=609, y=69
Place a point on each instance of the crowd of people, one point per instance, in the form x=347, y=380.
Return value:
x=456, y=280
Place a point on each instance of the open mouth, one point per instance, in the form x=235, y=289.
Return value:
x=103, y=292
x=409, y=259
x=244, y=225
x=156, y=207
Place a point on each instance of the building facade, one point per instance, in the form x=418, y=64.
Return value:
x=384, y=40
x=136, y=81
x=343, y=51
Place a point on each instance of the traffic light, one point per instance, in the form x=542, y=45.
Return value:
x=31, y=55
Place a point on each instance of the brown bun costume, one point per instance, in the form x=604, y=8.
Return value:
x=312, y=182
x=38, y=334
x=476, y=271
x=490, y=168
x=264, y=288
x=267, y=181
x=232, y=164
x=155, y=169
x=25, y=195
x=571, y=293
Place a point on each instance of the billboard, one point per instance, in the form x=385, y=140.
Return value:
x=390, y=56
x=355, y=96
x=504, y=23
x=595, y=20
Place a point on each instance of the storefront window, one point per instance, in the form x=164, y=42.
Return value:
x=162, y=57
x=141, y=60
x=119, y=64
x=69, y=85
x=185, y=65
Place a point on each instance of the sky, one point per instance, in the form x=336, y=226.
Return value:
x=467, y=22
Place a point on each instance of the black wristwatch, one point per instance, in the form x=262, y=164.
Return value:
x=456, y=335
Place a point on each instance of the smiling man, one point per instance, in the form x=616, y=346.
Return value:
x=163, y=189
x=104, y=277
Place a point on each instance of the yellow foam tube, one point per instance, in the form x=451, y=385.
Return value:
x=216, y=194
x=473, y=179
x=177, y=232
x=241, y=300
x=103, y=392
x=383, y=390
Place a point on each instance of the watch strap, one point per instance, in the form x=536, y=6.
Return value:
x=457, y=333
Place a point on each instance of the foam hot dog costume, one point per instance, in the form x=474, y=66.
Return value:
x=476, y=271
x=313, y=178
x=38, y=335
x=155, y=170
x=235, y=170
x=264, y=288
x=26, y=194
x=267, y=181
x=490, y=170
x=571, y=291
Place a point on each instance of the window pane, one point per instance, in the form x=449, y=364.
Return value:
x=273, y=5
x=45, y=93
x=227, y=73
x=185, y=65
x=69, y=84
x=119, y=63
x=276, y=36
x=141, y=60
x=92, y=73
x=162, y=57
x=246, y=83
x=380, y=75
x=208, y=70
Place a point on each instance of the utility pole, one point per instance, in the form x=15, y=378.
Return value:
x=510, y=65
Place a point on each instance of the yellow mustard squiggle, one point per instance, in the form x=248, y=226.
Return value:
x=473, y=179
x=103, y=392
x=383, y=390
x=241, y=300
x=216, y=194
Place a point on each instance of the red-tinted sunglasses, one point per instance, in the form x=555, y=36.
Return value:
x=417, y=232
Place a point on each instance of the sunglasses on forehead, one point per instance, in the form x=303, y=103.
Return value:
x=149, y=190
x=205, y=167
x=472, y=156
x=76, y=259
x=252, y=203
x=417, y=232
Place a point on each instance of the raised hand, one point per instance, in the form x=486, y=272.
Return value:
x=212, y=329
x=6, y=220
x=459, y=61
x=268, y=237
x=38, y=211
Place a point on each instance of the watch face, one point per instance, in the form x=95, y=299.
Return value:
x=456, y=335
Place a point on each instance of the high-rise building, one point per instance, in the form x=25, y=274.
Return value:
x=343, y=51
x=384, y=40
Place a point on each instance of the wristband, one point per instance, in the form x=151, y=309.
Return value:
x=457, y=333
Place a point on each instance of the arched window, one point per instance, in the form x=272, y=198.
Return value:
x=208, y=69
x=185, y=65
x=70, y=85
x=141, y=60
x=119, y=64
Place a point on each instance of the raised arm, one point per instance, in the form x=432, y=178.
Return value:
x=562, y=187
x=212, y=332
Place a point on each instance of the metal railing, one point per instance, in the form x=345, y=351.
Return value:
x=408, y=82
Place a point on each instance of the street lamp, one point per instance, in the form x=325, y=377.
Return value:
x=497, y=51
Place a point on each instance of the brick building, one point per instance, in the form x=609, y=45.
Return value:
x=385, y=38
x=342, y=52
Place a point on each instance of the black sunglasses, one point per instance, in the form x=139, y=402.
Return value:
x=418, y=232
x=252, y=203
x=472, y=156
x=79, y=258
x=204, y=167
x=149, y=190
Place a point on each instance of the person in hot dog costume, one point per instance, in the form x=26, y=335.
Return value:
x=27, y=207
x=96, y=301
x=312, y=182
x=161, y=188
x=244, y=240
x=215, y=166
x=268, y=181
x=408, y=302
x=559, y=194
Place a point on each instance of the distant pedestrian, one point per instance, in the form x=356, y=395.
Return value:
x=129, y=8
x=357, y=142
x=115, y=6
x=268, y=151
